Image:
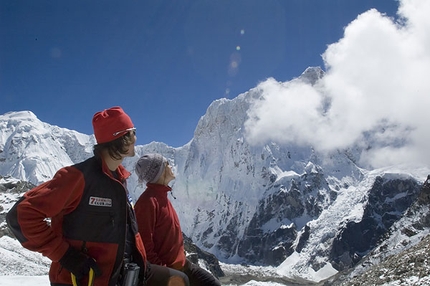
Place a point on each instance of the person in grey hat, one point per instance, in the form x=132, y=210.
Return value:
x=150, y=167
x=158, y=222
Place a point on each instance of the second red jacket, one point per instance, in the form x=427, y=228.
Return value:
x=159, y=227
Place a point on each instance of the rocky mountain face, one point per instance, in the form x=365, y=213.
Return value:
x=387, y=202
x=308, y=195
x=309, y=214
x=10, y=190
x=400, y=258
x=410, y=267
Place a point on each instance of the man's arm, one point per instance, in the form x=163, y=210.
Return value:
x=28, y=217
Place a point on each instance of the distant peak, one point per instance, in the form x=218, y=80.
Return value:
x=311, y=75
x=20, y=114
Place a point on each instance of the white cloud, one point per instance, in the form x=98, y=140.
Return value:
x=376, y=92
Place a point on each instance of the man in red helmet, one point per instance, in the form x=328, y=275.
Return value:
x=92, y=236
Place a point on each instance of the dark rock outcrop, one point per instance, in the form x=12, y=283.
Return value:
x=387, y=202
x=306, y=196
x=194, y=253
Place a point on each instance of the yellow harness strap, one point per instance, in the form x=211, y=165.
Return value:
x=90, y=279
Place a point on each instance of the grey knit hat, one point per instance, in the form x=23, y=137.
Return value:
x=150, y=167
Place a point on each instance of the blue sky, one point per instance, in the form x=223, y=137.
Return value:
x=164, y=62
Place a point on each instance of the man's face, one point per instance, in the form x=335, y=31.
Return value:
x=131, y=151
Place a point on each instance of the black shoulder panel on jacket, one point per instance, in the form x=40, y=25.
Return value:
x=12, y=222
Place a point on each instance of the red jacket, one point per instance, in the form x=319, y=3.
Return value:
x=159, y=226
x=88, y=209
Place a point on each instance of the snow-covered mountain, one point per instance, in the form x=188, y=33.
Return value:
x=33, y=151
x=309, y=213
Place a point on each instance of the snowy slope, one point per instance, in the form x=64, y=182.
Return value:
x=33, y=151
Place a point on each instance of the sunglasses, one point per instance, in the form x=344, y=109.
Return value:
x=132, y=130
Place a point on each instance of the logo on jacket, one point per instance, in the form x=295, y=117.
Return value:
x=100, y=202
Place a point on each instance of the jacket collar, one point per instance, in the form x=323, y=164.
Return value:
x=123, y=174
x=159, y=187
